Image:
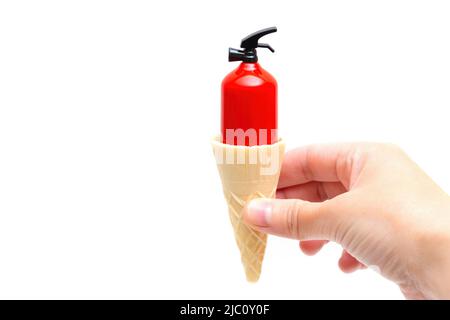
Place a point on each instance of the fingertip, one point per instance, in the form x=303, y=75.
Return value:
x=347, y=268
x=311, y=247
x=280, y=194
x=347, y=263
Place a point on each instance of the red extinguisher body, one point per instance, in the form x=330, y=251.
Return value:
x=249, y=106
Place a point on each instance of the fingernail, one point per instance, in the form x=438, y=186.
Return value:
x=258, y=212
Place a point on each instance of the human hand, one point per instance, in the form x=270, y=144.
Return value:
x=374, y=201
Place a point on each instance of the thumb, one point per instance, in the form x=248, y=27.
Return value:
x=292, y=218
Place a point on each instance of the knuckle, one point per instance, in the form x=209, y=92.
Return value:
x=392, y=148
x=369, y=149
x=292, y=219
x=384, y=148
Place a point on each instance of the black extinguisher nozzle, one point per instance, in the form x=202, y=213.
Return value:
x=235, y=55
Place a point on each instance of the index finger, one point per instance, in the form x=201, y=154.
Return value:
x=321, y=162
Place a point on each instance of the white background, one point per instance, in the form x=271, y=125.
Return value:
x=108, y=186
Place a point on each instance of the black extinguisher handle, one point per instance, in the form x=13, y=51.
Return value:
x=251, y=41
x=249, y=45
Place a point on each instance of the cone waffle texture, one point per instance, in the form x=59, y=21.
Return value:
x=248, y=173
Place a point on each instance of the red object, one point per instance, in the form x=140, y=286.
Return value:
x=249, y=105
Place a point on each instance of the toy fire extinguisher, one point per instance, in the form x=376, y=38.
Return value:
x=248, y=153
x=249, y=97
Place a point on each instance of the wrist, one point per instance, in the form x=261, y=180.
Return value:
x=435, y=258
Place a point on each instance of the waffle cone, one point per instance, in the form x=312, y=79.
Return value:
x=248, y=173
